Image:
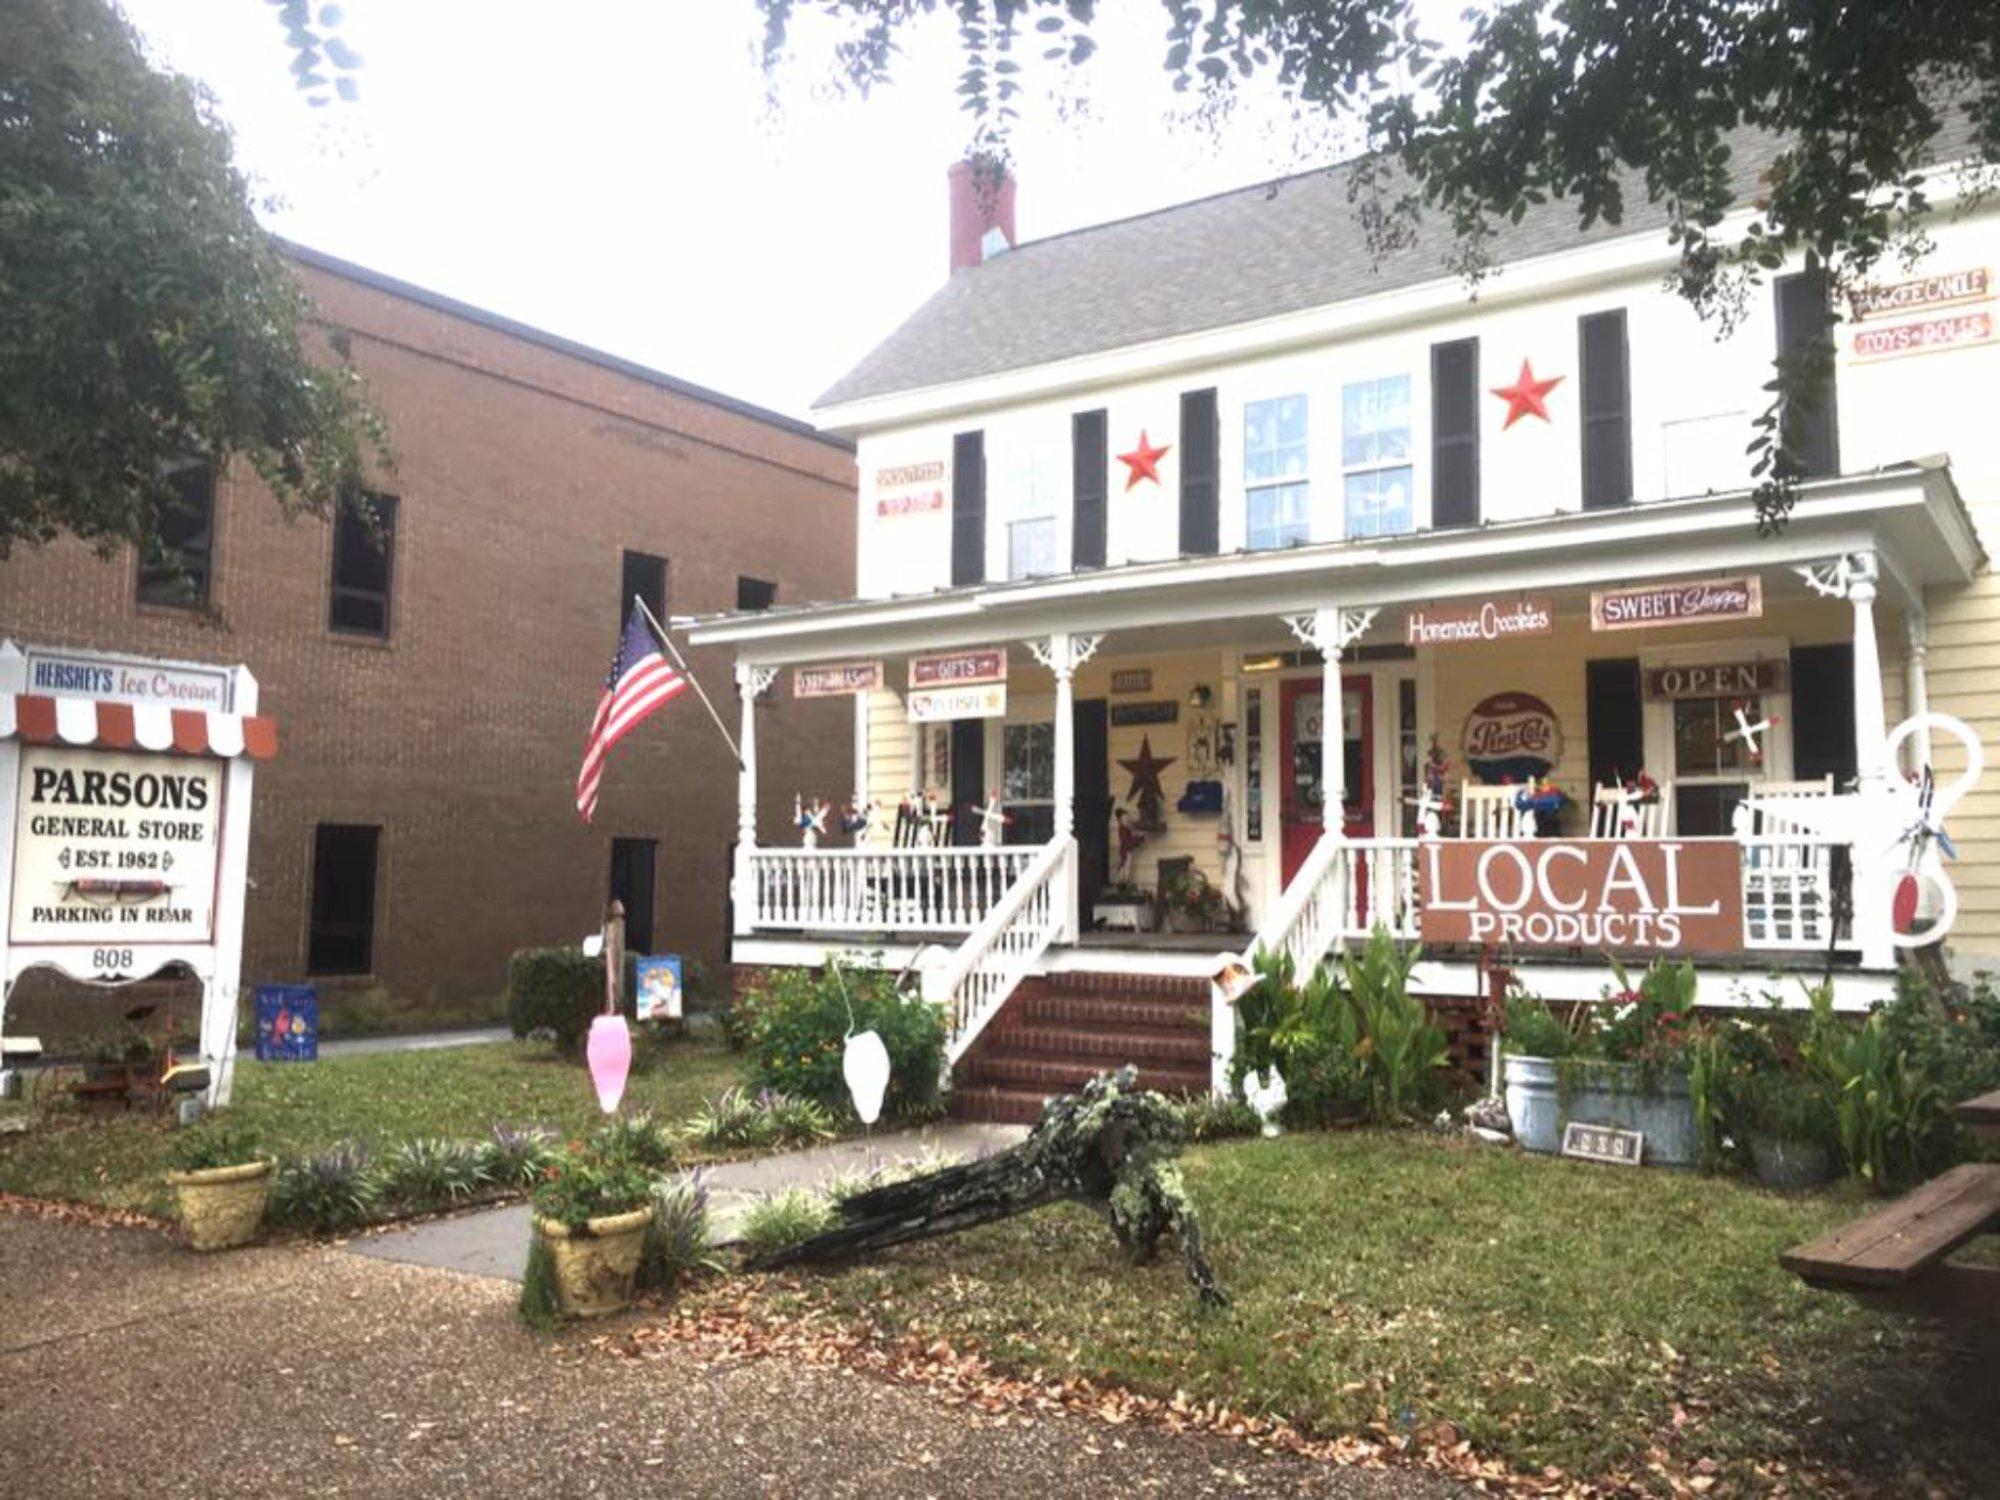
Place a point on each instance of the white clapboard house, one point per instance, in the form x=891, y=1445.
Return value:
x=1140, y=502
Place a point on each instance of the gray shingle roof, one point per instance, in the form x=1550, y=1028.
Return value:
x=1279, y=247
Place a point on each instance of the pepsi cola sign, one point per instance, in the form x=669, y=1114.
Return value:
x=1511, y=737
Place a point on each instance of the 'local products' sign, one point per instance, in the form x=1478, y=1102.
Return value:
x=1479, y=620
x=1646, y=605
x=1929, y=336
x=984, y=700
x=122, y=679
x=1922, y=293
x=1512, y=736
x=959, y=668
x=839, y=680
x=1628, y=895
x=115, y=847
x=1716, y=679
x=910, y=489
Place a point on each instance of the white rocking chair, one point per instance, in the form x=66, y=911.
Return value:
x=1489, y=812
x=1617, y=813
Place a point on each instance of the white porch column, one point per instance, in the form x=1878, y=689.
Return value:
x=1062, y=654
x=1330, y=630
x=1871, y=730
x=750, y=681
x=1916, y=684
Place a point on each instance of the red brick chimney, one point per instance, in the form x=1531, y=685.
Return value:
x=982, y=214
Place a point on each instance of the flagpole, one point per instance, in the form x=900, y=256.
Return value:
x=660, y=634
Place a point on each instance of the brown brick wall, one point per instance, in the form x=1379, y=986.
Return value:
x=522, y=473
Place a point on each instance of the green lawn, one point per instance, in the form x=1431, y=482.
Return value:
x=383, y=1098
x=1553, y=1312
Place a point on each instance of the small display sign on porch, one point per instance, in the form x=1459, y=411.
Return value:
x=1152, y=711
x=1647, y=605
x=985, y=700
x=959, y=668
x=1715, y=679
x=836, y=679
x=1627, y=895
x=1478, y=620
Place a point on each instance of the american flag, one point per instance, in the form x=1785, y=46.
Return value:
x=640, y=680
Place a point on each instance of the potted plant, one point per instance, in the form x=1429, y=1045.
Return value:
x=1193, y=905
x=1788, y=1126
x=1623, y=1063
x=220, y=1181
x=591, y=1208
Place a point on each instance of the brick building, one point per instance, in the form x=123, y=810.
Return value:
x=433, y=674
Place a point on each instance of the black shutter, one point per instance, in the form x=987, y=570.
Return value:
x=968, y=508
x=1455, y=433
x=968, y=778
x=1201, y=444
x=1823, y=712
x=1089, y=459
x=1614, y=720
x=1811, y=435
x=1607, y=410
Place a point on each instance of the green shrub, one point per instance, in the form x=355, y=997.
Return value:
x=514, y=1157
x=647, y=1141
x=676, y=1245
x=431, y=1172
x=557, y=990
x=1952, y=1037
x=328, y=1192
x=1888, y=1108
x=1531, y=1029
x=796, y=1122
x=1212, y=1118
x=732, y=1119
x=540, y=1303
x=1404, y=1052
x=220, y=1141
x=779, y=1222
x=796, y=1024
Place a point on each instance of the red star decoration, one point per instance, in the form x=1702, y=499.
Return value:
x=1525, y=397
x=1143, y=461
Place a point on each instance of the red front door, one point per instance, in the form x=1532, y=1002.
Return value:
x=1300, y=760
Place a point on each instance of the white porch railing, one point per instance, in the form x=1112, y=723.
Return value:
x=880, y=890
x=1001, y=950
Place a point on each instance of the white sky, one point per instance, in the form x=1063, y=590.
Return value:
x=615, y=177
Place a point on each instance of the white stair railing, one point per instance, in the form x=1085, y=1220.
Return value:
x=1306, y=921
x=988, y=965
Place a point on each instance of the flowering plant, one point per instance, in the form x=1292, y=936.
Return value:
x=1650, y=1023
x=590, y=1179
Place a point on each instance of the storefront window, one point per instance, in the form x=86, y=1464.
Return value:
x=1712, y=771
x=1375, y=457
x=1028, y=781
x=1277, y=498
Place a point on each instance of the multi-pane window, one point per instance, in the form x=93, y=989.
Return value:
x=177, y=568
x=342, y=935
x=364, y=554
x=1375, y=457
x=1276, y=496
x=755, y=593
x=1027, y=762
x=1035, y=480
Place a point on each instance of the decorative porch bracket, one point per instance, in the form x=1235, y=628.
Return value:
x=1331, y=631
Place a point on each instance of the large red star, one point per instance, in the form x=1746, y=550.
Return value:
x=1524, y=397
x=1143, y=461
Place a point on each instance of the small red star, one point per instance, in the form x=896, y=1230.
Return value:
x=1143, y=461
x=1525, y=396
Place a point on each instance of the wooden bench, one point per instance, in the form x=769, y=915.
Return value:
x=1896, y=1256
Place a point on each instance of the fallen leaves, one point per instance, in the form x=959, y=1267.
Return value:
x=68, y=1211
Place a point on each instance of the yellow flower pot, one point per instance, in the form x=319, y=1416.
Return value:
x=595, y=1267
x=222, y=1207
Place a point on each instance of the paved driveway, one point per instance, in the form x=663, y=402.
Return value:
x=131, y=1367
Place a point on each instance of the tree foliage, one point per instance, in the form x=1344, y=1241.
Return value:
x=1600, y=103
x=145, y=317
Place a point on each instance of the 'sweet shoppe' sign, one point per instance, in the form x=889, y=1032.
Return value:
x=1653, y=604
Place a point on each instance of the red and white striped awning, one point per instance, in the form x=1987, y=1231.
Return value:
x=37, y=720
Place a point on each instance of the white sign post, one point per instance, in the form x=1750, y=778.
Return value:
x=125, y=795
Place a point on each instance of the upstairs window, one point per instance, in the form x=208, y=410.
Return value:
x=1277, y=496
x=1811, y=432
x=177, y=569
x=644, y=576
x=1375, y=457
x=754, y=593
x=1033, y=479
x=364, y=554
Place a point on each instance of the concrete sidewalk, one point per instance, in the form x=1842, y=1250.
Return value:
x=495, y=1242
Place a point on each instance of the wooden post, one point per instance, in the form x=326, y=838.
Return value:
x=614, y=957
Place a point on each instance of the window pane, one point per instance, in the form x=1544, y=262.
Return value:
x=755, y=593
x=342, y=939
x=1702, y=730
x=176, y=569
x=1378, y=503
x=1274, y=439
x=1031, y=548
x=1375, y=421
x=1279, y=515
x=1027, y=762
x=364, y=550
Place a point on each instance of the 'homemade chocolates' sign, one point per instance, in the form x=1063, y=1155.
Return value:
x=1646, y=605
x=1479, y=620
x=1626, y=895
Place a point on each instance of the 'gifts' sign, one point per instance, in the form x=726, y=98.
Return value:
x=1627, y=895
x=1644, y=605
x=959, y=668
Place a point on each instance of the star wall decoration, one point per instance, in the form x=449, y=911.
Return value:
x=1527, y=396
x=1143, y=461
x=1145, y=768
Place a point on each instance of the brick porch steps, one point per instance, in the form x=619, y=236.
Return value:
x=1058, y=1031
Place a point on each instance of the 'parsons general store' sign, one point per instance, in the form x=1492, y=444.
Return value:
x=1626, y=895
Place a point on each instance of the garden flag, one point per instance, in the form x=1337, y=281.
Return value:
x=640, y=680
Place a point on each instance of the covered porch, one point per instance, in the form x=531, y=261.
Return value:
x=1147, y=744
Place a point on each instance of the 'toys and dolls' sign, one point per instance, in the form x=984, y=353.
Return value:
x=115, y=845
